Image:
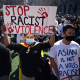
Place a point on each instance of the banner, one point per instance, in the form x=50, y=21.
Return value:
x=68, y=64
x=29, y=19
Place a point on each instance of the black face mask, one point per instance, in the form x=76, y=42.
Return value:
x=69, y=38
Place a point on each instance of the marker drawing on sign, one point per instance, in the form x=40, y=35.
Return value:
x=43, y=12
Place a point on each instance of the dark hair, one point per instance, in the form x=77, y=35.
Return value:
x=65, y=27
x=26, y=34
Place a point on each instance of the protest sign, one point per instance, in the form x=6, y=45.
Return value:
x=29, y=19
x=68, y=64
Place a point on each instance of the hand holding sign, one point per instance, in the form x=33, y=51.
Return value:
x=54, y=30
x=9, y=28
x=3, y=28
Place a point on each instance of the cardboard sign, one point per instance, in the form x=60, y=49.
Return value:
x=29, y=19
x=68, y=64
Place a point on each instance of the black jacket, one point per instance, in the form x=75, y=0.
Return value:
x=29, y=61
x=5, y=61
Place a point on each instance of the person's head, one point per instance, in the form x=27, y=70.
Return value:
x=29, y=38
x=68, y=32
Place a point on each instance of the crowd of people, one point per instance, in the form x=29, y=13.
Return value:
x=66, y=36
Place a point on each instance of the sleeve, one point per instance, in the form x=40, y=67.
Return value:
x=8, y=60
x=8, y=55
x=79, y=52
x=14, y=46
x=53, y=52
x=44, y=45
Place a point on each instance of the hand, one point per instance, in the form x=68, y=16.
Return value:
x=54, y=30
x=3, y=28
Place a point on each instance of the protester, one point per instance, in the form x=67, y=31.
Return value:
x=30, y=52
x=64, y=45
x=5, y=63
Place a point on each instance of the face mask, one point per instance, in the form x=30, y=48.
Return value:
x=29, y=41
x=69, y=38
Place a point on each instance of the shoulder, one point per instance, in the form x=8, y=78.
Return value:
x=78, y=40
x=74, y=43
x=2, y=45
x=58, y=43
x=3, y=48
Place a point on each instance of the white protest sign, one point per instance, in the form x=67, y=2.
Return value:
x=29, y=19
x=68, y=64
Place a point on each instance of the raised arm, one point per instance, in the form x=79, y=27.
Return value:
x=52, y=38
x=6, y=40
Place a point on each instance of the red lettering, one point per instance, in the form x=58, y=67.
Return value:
x=30, y=30
x=26, y=29
x=36, y=29
x=18, y=10
x=44, y=30
x=17, y=31
x=26, y=10
x=8, y=12
x=13, y=10
x=22, y=29
x=50, y=29
x=41, y=30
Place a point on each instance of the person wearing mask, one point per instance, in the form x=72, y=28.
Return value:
x=61, y=53
x=30, y=52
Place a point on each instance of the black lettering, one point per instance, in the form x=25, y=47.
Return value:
x=37, y=21
x=25, y=20
x=13, y=18
x=43, y=20
x=31, y=20
x=20, y=20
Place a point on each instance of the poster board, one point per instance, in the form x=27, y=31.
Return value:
x=29, y=19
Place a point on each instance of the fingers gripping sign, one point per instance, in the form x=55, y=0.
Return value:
x=9, y=28
x=54, y=30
